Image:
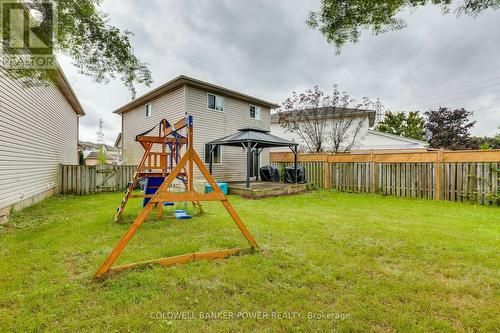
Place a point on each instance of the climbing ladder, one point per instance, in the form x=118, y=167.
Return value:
x=133, y=183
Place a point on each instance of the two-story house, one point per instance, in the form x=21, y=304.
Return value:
x=216, y=111
x=366, y=139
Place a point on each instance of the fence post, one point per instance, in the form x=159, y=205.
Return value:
x=118, y=172
x=326, y=171
x=437, y=186
x=373, y=173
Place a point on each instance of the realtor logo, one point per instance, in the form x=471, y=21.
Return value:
x=28, y=34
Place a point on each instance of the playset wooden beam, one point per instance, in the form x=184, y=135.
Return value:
x=156, y=139
x=188, y=160
x=182, y=259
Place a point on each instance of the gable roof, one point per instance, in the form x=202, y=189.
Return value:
x=186, y=80
x=95, y=155
x=83, y=144
x=336, y=113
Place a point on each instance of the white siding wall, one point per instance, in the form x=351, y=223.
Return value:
x=375, y=140
x=38, y=131
x=169, y=106
x=208, y=125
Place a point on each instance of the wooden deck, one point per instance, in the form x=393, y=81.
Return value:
x=262, y=189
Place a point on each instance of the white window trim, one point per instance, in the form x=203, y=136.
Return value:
x=146, y=110
x=223, y=107
x=255, y=106
x=221, y=153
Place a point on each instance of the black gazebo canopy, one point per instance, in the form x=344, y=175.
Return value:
x=252, y=139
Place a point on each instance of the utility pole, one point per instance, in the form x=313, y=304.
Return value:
x=100, y=133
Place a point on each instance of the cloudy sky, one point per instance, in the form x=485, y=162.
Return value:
x=264, y=48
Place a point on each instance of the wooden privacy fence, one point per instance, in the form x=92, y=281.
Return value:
x=441, y=175
x=88, y=179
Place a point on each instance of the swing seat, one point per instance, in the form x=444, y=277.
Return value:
x=181, y=214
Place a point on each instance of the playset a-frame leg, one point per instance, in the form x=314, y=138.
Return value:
x=163, y=195
x=147, y=146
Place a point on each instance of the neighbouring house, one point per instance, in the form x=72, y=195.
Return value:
x=367, y=139
x=216, y=111
x=366, y=119
x=38, y=133
x=91, y=152
x=87, y=147
x=93, y=159
x=119, y=149
x=381, y=141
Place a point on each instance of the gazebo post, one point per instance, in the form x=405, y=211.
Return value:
x=258, y=159
x=295, y=150
x=210, y=149
x=249, y=156
x=257, y=171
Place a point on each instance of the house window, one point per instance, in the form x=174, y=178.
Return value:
x=254, y=112
x=215, y=102
x=148, y=110
x=216, y=155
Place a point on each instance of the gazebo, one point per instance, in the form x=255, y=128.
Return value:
x=253, y=140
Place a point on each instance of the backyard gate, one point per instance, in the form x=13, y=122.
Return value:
x=106, y=180
x=87, y=179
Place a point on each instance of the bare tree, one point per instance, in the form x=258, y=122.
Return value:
x=304, y=115
x=332, y=122
x=346, y=130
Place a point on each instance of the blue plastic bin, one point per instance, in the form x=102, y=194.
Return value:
x=223, y=187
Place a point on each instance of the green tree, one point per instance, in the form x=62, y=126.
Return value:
x=343, y=21
x=449, y=128
x=81, y=158
x=410, y=125
x=98, y=49
x=485, y=142
x=101, y=157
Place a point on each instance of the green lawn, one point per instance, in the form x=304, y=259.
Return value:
x=371, y=263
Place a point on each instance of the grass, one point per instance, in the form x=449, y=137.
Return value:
x=370, y=263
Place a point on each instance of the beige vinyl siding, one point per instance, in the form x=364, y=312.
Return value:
x=38, y=132
x=169, y=106
x=210, y=125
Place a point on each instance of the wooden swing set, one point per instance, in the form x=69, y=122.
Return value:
x=171, y=165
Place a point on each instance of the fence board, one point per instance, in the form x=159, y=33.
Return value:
x=454, y=176
x=84, y=179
